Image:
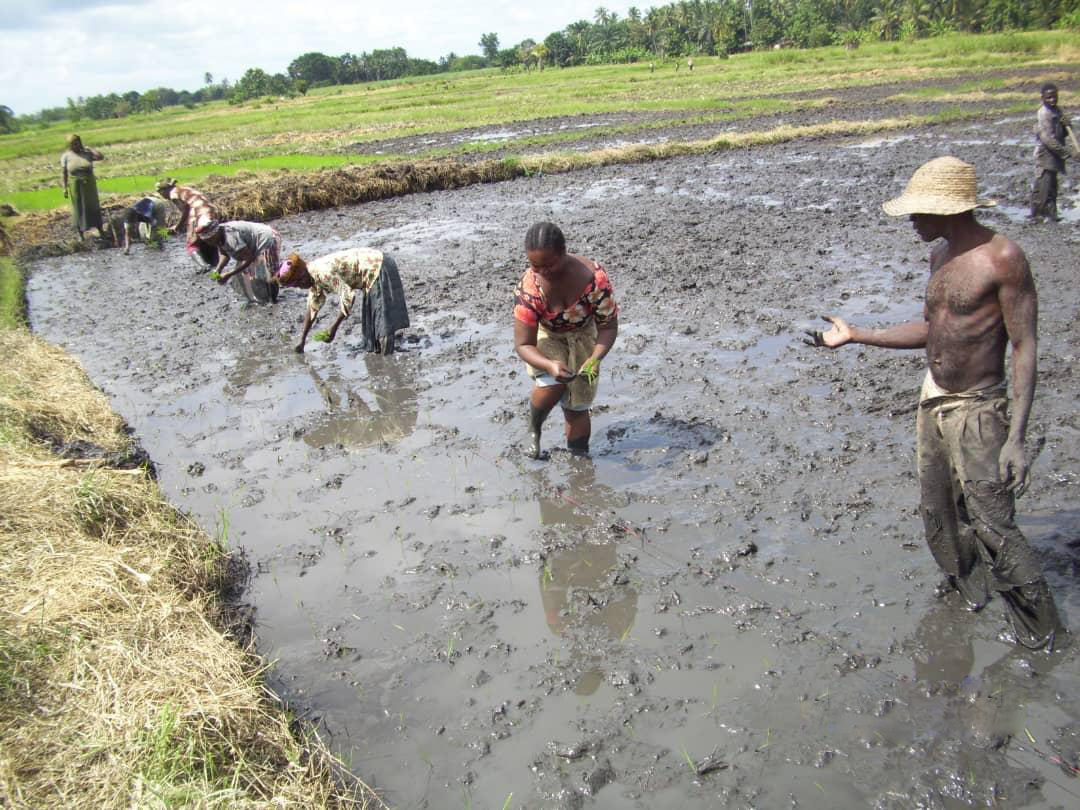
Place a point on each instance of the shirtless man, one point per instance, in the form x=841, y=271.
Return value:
x=980, y=298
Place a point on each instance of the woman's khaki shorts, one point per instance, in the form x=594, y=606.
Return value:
x=571, y=349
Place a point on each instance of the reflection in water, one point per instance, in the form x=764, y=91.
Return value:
x=943, y=651
x=577, y=584
x=987, y=704
x=350, y=421
x=250, y=368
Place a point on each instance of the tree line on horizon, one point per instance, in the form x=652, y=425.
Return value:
x=680, y=29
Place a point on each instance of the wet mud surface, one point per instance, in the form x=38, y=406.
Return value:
x=730, y=604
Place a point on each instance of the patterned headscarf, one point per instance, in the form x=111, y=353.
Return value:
x=74, y=141
x=290, y=268
x=163, y=186
x=208, y=229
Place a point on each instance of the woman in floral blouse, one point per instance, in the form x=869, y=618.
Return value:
x=565, y=322
x=345, y=273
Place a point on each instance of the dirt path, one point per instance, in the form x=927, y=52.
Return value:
x=737, y=573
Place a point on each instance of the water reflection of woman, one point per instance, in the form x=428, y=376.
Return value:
x=351, y=422
x=577, y=584
x=578, y=595
x=565, y=320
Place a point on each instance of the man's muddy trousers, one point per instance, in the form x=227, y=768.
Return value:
x=1044, y=195
x=970, y=516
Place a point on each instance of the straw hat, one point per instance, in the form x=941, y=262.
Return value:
x=943, y=186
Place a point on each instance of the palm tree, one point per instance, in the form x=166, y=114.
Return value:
x=888, y=19
x=540, y=53
x=578, y=34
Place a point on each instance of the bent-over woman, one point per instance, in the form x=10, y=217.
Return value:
x=345, y=273
x=77, y=164
x=249, y=243
x=138, y=220
x=565, y=322
x=195, y=212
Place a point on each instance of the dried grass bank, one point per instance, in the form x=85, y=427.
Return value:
x=125, y=679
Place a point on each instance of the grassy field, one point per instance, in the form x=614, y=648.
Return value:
x=318, y=131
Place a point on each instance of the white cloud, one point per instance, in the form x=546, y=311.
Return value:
x=60, y=48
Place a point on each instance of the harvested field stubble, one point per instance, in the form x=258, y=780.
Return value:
x=117, y=687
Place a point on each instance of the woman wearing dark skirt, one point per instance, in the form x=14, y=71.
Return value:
x=80, y=186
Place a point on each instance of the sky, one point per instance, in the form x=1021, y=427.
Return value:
x=54, y=49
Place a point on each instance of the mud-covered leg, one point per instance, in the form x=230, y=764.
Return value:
x=1011, y=563
x=1015, y=570
x=541, y=403
x=578, y=432
x=941, y=504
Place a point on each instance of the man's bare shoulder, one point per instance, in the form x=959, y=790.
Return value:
x=1006, y=259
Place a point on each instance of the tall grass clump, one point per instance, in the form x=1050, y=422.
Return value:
x=12, y=295
x=125, y=679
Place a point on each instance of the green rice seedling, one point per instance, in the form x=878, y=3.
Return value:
x=158, y=237
x=322, y=337
x=591, y=370
x=215, y=276
x=689, y=759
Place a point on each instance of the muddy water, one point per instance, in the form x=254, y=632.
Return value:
x=729, y=604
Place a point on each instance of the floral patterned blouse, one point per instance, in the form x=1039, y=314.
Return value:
x=343, y=273
x=596, y=301
x=200, y=210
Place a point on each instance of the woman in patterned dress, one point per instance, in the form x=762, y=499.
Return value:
x=345, y=273
x=195, y=212
x=565, y=322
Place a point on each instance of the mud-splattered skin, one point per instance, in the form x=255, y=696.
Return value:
x=980, y=285
x=737, y=575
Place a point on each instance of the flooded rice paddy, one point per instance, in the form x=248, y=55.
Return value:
x=730, y=604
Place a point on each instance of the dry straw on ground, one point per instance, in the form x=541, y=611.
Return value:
x=118, y=687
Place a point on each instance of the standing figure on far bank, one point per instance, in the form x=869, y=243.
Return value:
x=565, y=322
x=80, y=186
x=1050, y=154
x=980, y=300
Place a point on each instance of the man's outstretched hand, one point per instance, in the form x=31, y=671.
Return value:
x=832, y=338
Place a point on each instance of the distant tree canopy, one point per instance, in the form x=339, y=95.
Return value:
x=684, y=28
x=8, y=123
